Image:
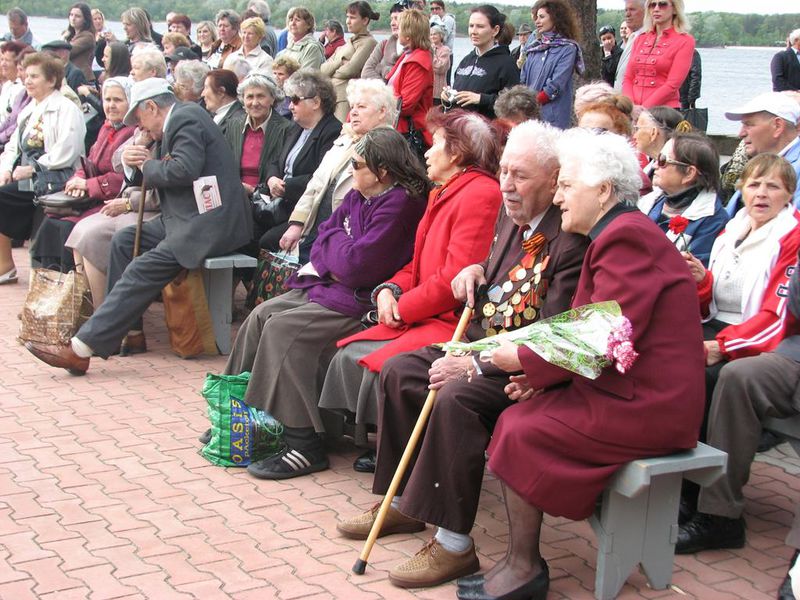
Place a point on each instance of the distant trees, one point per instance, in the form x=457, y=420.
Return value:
x=709, y=28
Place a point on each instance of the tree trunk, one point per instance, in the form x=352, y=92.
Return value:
x=586, y=10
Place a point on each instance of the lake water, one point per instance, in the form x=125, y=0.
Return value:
x=730, y=75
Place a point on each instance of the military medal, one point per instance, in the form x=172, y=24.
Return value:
x=489, y=309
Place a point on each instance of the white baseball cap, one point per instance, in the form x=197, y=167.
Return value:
x=774, y=103
x=144, y=90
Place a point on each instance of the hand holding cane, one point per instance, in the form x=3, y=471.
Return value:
x=137, y=240
x=361, y=564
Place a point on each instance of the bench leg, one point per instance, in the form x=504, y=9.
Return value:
x=620, y=528
x=219, y=290
x=661, y=533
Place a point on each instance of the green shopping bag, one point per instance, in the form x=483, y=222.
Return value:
x=240, y=434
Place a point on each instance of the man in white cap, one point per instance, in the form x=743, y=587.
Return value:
x=769, y=124
x=188, y=146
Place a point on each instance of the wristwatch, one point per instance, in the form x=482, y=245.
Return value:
x=128, y=207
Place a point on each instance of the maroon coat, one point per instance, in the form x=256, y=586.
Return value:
x=455, y=231
x=559, y=448
x=108, y=183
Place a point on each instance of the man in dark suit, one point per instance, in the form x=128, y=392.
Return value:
x=531, y=273
x=189, y=146
x=785, y=66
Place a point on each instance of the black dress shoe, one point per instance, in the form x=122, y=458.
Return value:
x=710, y=532
x=206, y=437
x=366, y=462
x=535, y=589
x=471, y=582
x=785, y=592
x=768, y=441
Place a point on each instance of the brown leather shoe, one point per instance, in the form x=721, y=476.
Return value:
x=434, y=565
x=358, y=528
x=133, y=344
x=62, y=357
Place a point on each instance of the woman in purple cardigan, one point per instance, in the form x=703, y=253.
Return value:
x=288, y=341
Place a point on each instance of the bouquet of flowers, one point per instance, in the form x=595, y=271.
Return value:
x=583, y=340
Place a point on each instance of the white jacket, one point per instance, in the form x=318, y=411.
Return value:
x=64, y=133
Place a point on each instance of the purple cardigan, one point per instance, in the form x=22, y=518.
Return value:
x=361, y=245
x=10, y=124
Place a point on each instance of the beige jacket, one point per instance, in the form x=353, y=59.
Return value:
x=345, y=64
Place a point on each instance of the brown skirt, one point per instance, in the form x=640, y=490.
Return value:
x=287, y=344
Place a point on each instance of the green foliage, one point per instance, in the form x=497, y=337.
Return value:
x=709, y=28
x=726, y=29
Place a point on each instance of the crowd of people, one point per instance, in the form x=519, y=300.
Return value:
x=411, y=186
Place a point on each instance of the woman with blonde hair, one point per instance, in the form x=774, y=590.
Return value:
x=137, y=27
x=252, y=31
x=301, y=44
x=412, y=78
x=206, y=36
x=661, y=56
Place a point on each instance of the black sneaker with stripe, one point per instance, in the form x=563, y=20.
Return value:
x=289, y=463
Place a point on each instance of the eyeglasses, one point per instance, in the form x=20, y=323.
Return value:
x=357, y=165
x=299, y=99
x=660, y=4
x=662, y=161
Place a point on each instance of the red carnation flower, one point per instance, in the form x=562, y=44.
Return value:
x=678, y=224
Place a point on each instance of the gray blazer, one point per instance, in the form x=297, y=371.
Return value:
x=193, y=147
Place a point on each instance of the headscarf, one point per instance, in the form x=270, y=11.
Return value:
x=551, y=39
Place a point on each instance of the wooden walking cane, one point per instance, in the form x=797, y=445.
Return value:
x=137, y=240
x=361, y=564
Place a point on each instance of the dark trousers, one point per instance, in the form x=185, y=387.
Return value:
x=748, y=390
x=443, y=483
x=132, y=286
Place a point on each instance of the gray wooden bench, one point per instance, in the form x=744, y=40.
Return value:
x=218, y=282
x=636, y=522
x=788, y=428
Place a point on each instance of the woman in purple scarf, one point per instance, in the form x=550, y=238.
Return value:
x=288, y=342
x=551, y=60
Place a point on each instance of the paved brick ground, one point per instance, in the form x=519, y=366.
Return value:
x=104, y=495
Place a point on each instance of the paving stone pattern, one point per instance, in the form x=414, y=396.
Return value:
x=103, y=495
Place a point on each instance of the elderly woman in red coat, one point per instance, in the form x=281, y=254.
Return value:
x=416, y=307
x=557, y=448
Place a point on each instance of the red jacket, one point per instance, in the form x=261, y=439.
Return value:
x=414, y=86
x=455, y=231
x=107, y=183
x=655, y=73
x=766, y=320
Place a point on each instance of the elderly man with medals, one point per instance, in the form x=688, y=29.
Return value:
x=530, y=273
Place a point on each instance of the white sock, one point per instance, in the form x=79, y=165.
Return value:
x=452, y=541
x=396, y=502
x=81, y=349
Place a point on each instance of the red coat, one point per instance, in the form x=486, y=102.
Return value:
x=654, y=409
x=414, y=86
x=655, y=73
x=107, y=184
x=455, y=231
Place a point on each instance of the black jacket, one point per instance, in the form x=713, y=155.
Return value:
x=274, y=137
x=486, y=75
x=785, y=68
x=609, y=66
x=690, y=89
x=319, y=142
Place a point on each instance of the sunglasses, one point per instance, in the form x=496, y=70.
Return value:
x=660, y=4
x=356, y=165
x=299, y=99
x=662, y=161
